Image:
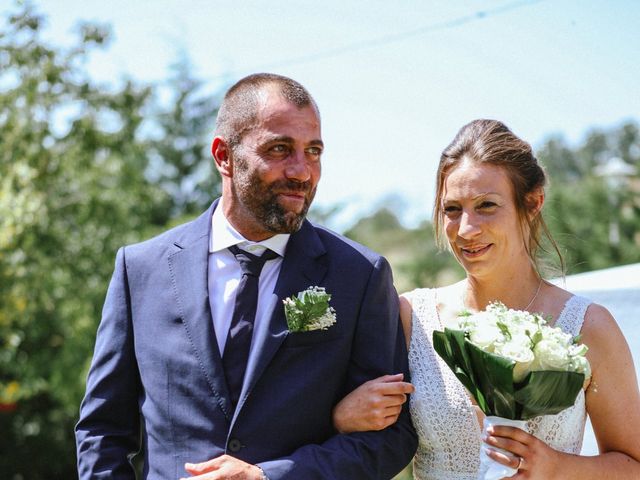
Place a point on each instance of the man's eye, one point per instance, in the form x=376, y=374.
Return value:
x=279, y=149
x=315, y=151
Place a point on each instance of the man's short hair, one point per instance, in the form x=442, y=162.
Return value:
x=239, y=109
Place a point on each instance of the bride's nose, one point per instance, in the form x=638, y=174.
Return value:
x=469, y=225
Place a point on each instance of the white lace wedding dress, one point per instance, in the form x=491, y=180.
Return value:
x=441, y=409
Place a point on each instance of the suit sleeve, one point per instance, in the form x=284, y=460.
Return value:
x=108, y=431
x=379, y=348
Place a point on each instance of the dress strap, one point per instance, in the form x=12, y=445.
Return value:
x=422, y=318
x=424, y=303
x=572, y=316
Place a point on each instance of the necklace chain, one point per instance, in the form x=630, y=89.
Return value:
x=534, y=296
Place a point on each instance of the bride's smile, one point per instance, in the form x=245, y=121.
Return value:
x=472, y=252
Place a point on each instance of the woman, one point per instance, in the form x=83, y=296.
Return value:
x=490, y=192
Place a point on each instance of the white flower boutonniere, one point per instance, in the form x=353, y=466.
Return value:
x=309, y=310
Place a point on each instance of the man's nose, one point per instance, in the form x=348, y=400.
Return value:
x=298, y=167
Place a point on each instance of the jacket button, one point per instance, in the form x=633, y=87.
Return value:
x=234, y=445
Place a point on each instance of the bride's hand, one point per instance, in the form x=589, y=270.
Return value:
x=539, y=460
x=374, y=405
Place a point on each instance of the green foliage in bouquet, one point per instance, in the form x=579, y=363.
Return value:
x=489, y=378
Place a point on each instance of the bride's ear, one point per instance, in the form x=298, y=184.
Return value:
x=535, y=201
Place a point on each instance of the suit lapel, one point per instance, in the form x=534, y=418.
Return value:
x=303, y=266
x=188, y=266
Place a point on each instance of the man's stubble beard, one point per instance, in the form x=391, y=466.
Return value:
x=260, y=199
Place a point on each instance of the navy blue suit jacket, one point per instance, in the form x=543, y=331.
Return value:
x=156, y=380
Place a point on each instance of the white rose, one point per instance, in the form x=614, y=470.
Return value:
x=519, y=350
x=557, y=335
x=578, y=350
x=581, y=365
x=485, y=335
x=551, y=355
x=579, y=362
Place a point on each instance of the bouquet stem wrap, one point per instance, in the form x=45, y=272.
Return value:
x=489, y=468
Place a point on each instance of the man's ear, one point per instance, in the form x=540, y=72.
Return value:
x=221, y=155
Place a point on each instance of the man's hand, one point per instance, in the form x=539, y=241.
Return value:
x=224, y=467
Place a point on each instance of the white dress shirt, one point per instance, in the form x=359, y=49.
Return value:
x=224, y=272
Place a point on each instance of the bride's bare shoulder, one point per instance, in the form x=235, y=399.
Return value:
x=552, y=301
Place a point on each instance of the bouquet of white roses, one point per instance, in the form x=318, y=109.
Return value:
x=514, y=364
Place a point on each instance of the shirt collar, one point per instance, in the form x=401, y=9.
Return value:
x=223, y=235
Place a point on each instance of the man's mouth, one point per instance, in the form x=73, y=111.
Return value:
x=294, y=193
x=293, y=198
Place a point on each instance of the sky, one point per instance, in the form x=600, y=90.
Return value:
x=394, y=80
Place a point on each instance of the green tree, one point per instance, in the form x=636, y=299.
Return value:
x=562, y=163
x=595, y=221
x=72, y=189
x=412, y=252
x=77, y=181
x=180, y=154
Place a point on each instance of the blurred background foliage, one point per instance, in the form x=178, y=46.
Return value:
x=86, y=168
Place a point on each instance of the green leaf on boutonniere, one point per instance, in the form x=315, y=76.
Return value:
x=309, y=310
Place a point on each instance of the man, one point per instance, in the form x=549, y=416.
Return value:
x=195, y=353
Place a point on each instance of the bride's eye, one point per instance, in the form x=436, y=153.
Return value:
x=451, y=210
x=487, y=205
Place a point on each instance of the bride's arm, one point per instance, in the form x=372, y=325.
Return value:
x=376, y=404
x=406, y=315
x=613, y=405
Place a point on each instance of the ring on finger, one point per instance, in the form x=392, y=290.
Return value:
x=520, y=463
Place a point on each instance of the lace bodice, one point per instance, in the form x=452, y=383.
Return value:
x=442, y=412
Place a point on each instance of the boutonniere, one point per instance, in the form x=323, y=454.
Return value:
x=309, y=310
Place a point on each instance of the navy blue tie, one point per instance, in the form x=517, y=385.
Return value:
x=236, y=349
